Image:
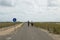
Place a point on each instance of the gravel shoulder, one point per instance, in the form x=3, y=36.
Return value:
x=54, y=36
x=8, y=30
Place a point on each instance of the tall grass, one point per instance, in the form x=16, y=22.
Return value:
x=7, y=24
x=53, y=27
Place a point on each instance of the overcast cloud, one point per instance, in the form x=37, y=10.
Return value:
x=7, y=2
x=35, y=10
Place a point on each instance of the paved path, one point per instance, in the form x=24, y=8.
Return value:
x=27, y=33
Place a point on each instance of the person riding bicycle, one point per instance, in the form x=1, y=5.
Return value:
x=28, y=23
x=31, y=23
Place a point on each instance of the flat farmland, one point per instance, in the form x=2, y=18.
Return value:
x=52, y=27
x=7, y=24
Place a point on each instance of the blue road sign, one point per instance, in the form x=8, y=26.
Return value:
x=14, y=19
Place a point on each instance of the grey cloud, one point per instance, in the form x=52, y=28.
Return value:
x=52, y=3
x=6, y=3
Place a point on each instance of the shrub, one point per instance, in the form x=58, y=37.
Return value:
x=50, y=26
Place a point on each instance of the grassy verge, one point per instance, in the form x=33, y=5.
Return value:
x=7, y=24
x=53, y=27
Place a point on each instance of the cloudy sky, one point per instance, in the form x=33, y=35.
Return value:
x=35, y=10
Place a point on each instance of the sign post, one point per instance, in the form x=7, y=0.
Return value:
x=14, y=20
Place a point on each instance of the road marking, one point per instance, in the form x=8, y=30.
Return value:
x=8, y=38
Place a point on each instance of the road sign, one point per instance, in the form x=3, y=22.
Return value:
x=14, y=19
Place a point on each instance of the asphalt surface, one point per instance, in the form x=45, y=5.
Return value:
x=27, y=33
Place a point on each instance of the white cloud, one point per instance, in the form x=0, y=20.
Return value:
x=24, y=10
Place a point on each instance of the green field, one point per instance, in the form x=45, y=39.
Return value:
x=52, y=27
x=7, y=24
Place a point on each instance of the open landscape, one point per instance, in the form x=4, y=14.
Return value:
x=52, y=27
x=29, y=19
x=8, y=24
